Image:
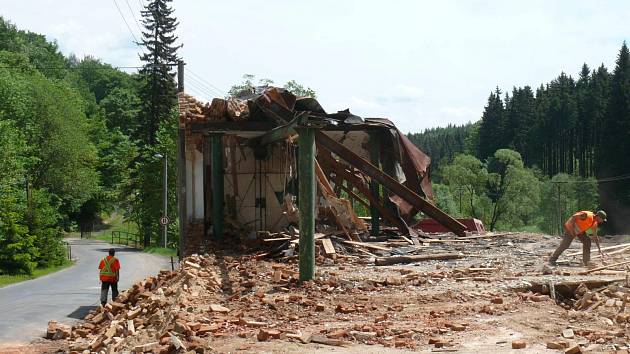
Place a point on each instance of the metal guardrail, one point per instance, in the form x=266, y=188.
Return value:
x=126, y=238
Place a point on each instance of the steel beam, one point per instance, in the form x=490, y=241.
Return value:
x=374, y=148
x=307, y=190
x=391, y=184
x=216, y=165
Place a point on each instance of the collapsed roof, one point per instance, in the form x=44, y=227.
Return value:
x=352, y=152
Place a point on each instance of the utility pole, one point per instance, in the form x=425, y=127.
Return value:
x=165, y=196
x=181, y=169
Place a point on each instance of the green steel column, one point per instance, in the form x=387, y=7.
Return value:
x=306, y=175
x=216, y=164
x=374, y=187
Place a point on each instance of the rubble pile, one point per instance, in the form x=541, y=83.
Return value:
x=217, y=297
x=228, y=302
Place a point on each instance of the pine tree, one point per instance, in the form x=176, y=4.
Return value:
x=158, y=91
x=491, y=124
x=158, y=118
x=615, y=157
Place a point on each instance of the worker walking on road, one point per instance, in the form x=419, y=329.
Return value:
x=109, y=273
x=577, y=225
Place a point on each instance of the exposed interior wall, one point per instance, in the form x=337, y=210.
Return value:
x=259, y=195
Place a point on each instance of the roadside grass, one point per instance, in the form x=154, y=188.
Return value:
x=117, y=222
x=6, y=279
x=161, y=251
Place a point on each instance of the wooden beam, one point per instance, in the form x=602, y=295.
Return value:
x=338, y=168
x=388, y=182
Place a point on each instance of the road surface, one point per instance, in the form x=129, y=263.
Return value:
x=67, y=295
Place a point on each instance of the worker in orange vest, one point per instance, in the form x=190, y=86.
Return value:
x=109, y=274
x=577, y=225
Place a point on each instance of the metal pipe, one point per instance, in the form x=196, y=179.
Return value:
x=216, y=164
x=306, y=167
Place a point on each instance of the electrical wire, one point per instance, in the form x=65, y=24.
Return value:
x=205, y=81
x=206, y=88
x=601, y=180
x=128, y=27
x=134, y=17
x=99, y=68
x=201, y=83
x=204, y=84
x=198, y=91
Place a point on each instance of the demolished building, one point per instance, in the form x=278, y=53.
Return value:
x=252, y=160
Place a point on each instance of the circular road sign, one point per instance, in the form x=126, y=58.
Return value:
x=164, y=220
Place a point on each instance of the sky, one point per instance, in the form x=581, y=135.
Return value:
x=422, y=64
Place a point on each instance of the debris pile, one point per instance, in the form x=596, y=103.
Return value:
x=226, y=302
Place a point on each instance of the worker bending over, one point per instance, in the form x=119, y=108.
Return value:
x=577, y=225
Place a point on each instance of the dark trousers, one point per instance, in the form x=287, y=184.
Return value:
x=105, y=289
x=566, y=242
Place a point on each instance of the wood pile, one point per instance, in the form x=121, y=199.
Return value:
x=192, y=110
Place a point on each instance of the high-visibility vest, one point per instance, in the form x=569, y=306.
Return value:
x=587, y=223
x=581, y=225
x=107, y=267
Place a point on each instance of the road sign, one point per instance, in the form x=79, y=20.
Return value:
x=164, y=220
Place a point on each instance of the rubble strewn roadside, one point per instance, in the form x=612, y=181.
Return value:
x=487, y=299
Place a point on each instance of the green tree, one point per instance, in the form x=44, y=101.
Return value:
x=466, y=177
x=158, y=90
x=489, y=136
x=513, y=189
x=614, y=159
x=158, y=114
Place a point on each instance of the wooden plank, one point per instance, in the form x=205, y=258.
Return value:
x=419, y=258
x=605, y=267
x=367, y=245
x=603, y=249
x=328, y=246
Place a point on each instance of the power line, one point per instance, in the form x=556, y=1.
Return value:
x=207, y=88
x=128, y=27
x=134, y=17
x=74, y=68
x=204, y=93
x=601, y=180
x=205, y=81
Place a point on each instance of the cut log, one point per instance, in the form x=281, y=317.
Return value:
x=567, y=288
x=419, y=258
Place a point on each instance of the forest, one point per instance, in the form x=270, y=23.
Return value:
x=80, y=139
x=570, y=137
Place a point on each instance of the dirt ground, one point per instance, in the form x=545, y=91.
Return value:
x=480, y=303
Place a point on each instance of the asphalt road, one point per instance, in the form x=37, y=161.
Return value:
x=66, y=296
